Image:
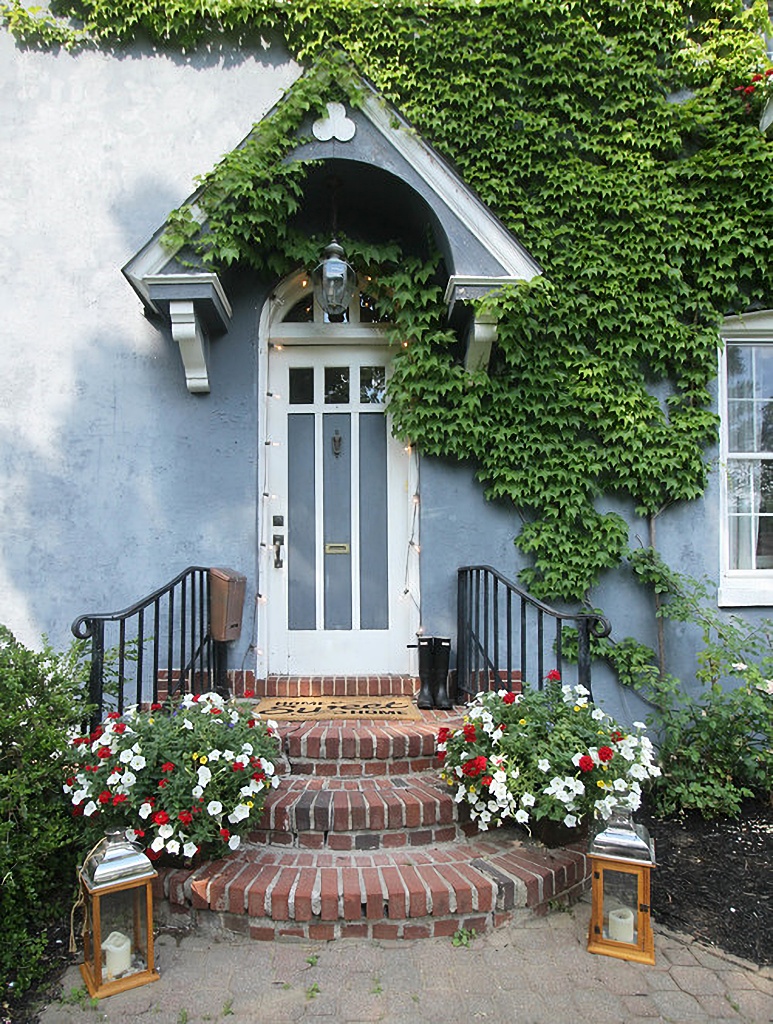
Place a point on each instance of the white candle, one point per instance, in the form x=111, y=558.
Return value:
x=621, y=925
x=117, y=948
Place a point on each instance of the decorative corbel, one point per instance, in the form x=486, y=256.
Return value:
x=480, y=340
x=189, y=334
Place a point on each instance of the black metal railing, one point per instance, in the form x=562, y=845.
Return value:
x=505, y=636
x=159, y=645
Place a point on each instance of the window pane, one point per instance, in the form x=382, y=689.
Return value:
x=301, y=385
x=763, y=371
x=740, y=377
x=336, y=384
x=741, y=486
x=302, y=312
x=740, y=427
x=372, y=384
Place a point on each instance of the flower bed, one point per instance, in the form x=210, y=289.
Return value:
x=546, y=754
x=185, y=777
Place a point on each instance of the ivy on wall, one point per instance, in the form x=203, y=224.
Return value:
x=619, y=142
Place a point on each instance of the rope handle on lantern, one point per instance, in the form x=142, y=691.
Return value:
x=80, y=900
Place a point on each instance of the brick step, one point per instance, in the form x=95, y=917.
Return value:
x=336, y=686
x=349, y=749
x=361, y=814
x=475, y=883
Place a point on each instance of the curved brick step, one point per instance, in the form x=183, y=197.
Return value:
x=331, y=686
x=478, y=883
x=358, y=814
x=350, y=749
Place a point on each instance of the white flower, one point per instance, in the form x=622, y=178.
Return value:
x=173, y=846
x=247, y=748
x=189, y=850
x=145, y=811
x=127, y=779
x=639, y=725
x=239, y=813
x=229, y=755
x=204, y=775
x=215, y=755
x=89, y=809
x=235, y=842
x=267, y=766
x=739, y=666
x=125, y=756
x=137, y=762
x=214, y=807
x=597, y=714
x=570, y=821
x=527, y=800
x=543, y=764
x=157, y=844
x=521, y=816
x=113, y=779
x=197, y=791
x=620, y=785
x=275, y=782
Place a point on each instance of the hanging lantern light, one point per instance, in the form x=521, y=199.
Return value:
x=622, y=856
x=117, y=892
x=334, y=281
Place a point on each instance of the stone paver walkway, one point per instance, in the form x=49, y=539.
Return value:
x=533, y=971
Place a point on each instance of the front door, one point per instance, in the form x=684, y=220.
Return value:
x=339, y=599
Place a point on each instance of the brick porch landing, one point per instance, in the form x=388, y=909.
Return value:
x=363, y=839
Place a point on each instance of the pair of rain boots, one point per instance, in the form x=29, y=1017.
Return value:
x=434, y=657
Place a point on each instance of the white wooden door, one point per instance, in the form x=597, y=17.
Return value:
x=341, y=516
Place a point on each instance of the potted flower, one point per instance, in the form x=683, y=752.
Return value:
x=189, y=776
x=543, y=756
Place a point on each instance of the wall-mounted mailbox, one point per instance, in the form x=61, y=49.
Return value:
x=226, y=603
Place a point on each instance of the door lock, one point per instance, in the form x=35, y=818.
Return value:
x=278, y=543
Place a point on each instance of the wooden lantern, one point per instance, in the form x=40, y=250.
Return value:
x=117, y=890
x=622, y=857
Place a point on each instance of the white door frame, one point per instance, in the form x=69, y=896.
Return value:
x=273, y=647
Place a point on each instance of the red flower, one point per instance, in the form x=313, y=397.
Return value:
x=225, y=834
x=509, y=698
x=119, y=727
x=486, y=780
x=441, y=755
x=553, y=676
x=140, y=833
x=80, y=740
x=249, y=693
x=756, y=78
x=167, y=766
x=443, y=734
x=114, y=714
x=475, y=766
x=156, y=707
x=606, y=753
x=238, y=766
x=586, y=763
x=152, y=854
x=105, y=796
x=469, y=732
x=185, y=817
x=77, y=810
x=214, y=711
x=196, y=698
x=258, y=776
x=96, y=734
x=617, y=737
x=250, y=723
x=750, y=89
x=104, y=752
x=769, y=72
x=160, y=818
x=119, y=798
x=162, y=783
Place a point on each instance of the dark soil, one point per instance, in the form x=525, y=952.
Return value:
x=713, y=879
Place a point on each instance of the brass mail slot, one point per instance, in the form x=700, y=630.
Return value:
x=336, y=549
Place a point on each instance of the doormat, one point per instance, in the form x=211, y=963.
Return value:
x=304, y=709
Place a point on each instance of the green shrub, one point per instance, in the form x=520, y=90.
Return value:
x=42, y=695
x=715, y=744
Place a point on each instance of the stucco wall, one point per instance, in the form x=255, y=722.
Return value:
x=113, y=477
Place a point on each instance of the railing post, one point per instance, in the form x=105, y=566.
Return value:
x=97, y=670
x=583, y=655
x=462, y=633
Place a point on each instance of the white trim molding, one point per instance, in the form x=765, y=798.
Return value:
x=187, y=331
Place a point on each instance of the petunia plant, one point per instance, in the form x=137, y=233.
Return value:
x=544, y=754
x=180, y=778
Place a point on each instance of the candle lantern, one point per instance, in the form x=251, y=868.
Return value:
x=622, y=856
x=117, y=892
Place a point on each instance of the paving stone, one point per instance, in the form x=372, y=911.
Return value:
x=680, y=1006
x=698, y=981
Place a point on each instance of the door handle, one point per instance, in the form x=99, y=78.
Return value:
x=278, y=543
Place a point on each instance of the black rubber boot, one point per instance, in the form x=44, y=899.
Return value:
x=424, y=699
x=441, y=656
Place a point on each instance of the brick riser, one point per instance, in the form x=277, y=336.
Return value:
x=480, y=883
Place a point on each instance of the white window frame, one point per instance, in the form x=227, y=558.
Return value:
x=739, y=587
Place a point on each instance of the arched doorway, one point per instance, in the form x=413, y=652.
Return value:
x=339, y=510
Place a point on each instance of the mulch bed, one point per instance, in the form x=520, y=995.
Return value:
x=713, y=879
